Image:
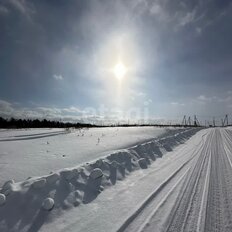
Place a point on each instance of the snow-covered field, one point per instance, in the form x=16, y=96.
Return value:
x=35, y=152
x=176, y=180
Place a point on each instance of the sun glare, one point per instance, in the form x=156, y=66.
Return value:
x=120, y=71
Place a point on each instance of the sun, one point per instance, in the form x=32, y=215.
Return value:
x=119, y=71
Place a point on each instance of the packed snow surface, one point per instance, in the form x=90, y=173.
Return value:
x=35, y=152
x=178, y=181
x=70, y=199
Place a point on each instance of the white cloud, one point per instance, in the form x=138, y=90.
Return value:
x=177, y=104
x=72, y=109
x=141, y=94
x=189, y=17
x=135, y=94
x=198, y=30
x=58, y=77
x=20, y=5
x=139, y=6
x=203, y=98
x=5, y=107
x=156, y=9
x=147, y=102
x=72, y=113
x=26, y=8
x=8, y=110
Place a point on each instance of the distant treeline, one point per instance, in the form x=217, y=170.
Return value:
x=36, y=123
x=44, y=123
x=152, y=124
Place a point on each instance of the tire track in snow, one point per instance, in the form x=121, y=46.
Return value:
x=126, y=226
x=183, y=210
x=219, y=206
x=162, y=202
x=150, y=198
x=201, y=216
x=33, y=137
x=205, y=202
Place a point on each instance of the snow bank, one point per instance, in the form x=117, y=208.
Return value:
x=28, y=200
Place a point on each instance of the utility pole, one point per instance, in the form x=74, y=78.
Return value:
x=196, y=122
x=189, y=121
x=225, y=122
x=184, y=121
x=222, y=122
x=214, y=124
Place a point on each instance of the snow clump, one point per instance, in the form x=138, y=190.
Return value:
x=2, y=199
x=48, y=204
x=96, y=173
x=142, y=163
x=7, y=187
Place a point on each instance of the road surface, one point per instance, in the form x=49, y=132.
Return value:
x=197, y=196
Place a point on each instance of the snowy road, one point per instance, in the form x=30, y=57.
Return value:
x=200, y=199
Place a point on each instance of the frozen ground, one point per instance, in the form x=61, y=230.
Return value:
x=180, y=182
x=35, y=152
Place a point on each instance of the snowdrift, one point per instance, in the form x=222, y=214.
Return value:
x=33, y=199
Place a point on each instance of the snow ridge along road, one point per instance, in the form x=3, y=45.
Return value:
x=199, y=198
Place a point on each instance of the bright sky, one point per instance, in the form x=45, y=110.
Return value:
x=107, y=59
